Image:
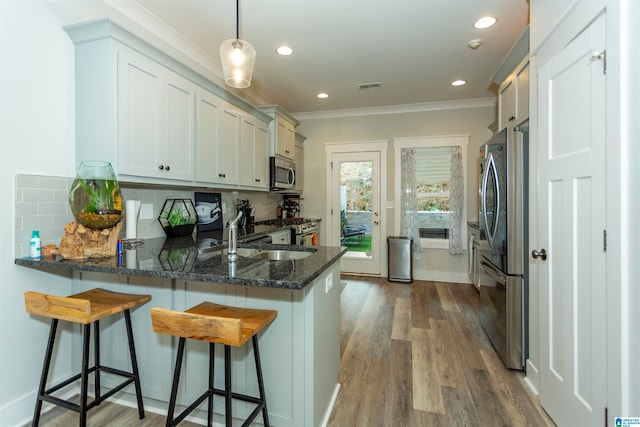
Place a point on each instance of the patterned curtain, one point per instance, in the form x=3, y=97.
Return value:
x=408, y=213
x=456, y=202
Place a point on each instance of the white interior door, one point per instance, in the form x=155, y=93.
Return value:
x=356, y=216
x=572, y=221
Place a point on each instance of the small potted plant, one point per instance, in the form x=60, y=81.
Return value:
x=178, y=217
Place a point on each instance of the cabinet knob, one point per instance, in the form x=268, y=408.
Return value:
x=286, y=151
x=166, y=168
x=161, y=167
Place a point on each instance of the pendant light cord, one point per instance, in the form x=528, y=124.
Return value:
x=237, y=19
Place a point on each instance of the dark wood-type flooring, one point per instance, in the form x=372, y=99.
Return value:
x=411, y=355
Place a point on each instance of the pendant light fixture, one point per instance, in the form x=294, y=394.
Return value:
x=238, y=57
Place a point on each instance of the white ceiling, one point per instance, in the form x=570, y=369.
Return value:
x=415, y=48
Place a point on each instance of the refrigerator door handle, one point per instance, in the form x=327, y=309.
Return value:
x=490, y=168
x=493, y=272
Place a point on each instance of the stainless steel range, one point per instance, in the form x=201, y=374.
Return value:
x=305, y=233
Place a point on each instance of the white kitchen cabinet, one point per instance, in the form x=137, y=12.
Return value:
x=513, y=97
x=254, y=153
x=283, y=132
x=300, y=350
x=285, y=138
x=148, y=114
x=217, y=140
x=155, y=117
x=299, y=158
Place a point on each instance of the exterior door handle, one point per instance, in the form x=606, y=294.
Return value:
x=542, y=254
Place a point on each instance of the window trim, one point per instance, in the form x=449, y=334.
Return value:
x=461, y=141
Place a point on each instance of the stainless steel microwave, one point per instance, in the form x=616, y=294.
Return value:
x=282, y=174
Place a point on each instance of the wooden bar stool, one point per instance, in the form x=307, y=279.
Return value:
x=85, y=308
x=215, y=324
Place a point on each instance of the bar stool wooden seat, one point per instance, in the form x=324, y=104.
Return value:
x=85, y=308
x=216, y=324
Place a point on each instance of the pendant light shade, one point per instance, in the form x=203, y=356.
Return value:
x=237, y=57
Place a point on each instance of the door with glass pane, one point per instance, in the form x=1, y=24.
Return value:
x=355, y=189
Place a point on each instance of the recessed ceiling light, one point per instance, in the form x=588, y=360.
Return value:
x=458, y=82
x=484, y=22
x=322, y=95
x=284, y=51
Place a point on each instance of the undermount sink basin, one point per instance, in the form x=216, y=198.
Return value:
x=271, y=254
x=281, y=255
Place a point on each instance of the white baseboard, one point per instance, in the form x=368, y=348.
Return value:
x=332, y=402
x=532, y=380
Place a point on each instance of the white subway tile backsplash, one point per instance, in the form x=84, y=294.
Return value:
x=42, y=203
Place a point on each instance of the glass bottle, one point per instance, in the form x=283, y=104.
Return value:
x=95, y=198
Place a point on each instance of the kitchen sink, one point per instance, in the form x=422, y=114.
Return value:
x=281, y=255
x=270, y=254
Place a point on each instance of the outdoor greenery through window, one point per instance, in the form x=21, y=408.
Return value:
x=433, y=179
x=356, y=192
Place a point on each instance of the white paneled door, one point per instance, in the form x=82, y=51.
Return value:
x=572, y=200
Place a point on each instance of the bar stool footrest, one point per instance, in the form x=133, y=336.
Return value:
x=47, y=395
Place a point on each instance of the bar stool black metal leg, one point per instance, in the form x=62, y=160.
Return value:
x=212, y=350
x=256, y=355
x=96, y=359
x=228, y=414
x=84, y=375
x=134, y=363
x=45, y=372
x=176, y=380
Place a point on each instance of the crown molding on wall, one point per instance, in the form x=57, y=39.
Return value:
x=397, y=109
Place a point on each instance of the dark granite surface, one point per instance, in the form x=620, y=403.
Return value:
x=180, y=258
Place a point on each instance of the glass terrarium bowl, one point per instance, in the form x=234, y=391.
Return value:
x=95, y=198
x=178, y=217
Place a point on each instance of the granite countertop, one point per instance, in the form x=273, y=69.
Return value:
x=182, y=258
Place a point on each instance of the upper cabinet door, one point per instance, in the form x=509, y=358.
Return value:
x=255, y=141
x=285, y=138
x=179, y=148
x=140, y=98
x=207, y=113
x=155, y=120
x=217, y=140
x=229, y=145
x=513, y=97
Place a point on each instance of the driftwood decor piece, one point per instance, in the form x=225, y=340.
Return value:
x=80, y=242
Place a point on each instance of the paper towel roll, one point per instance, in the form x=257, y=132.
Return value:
x=132, y=209
x=131, y=258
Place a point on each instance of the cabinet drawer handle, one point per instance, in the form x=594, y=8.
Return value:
x=257, y=179
x=222, y=175
x=163, y=167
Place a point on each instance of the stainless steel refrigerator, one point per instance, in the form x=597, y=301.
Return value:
x=504, y=264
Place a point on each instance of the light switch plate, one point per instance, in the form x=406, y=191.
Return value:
x=146, y=211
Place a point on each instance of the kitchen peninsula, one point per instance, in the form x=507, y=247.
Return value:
x=300, y=350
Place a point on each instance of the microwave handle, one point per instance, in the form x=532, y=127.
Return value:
x=292, y=177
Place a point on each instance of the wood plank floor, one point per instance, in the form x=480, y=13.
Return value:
x=416, y=355
x=411, y=355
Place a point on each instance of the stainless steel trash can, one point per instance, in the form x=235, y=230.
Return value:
x=400, y=259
